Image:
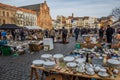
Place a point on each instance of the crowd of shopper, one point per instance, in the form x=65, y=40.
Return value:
x=105, y=33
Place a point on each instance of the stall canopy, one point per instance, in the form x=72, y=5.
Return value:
x=33, y=27
x=9, y=26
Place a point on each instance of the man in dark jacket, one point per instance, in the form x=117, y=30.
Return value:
x=64, y=34
x=109, y=33
x=76, y=32
x=101, y=34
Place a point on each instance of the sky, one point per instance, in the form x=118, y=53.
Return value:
x=80, y=8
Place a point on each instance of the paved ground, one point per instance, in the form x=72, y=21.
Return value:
x=18, y=68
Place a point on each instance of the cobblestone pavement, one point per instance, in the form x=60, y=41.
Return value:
x=18, y=68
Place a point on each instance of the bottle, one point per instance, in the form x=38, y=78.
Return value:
x=87, y=58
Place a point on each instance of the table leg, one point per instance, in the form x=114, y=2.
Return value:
x=36, y=74
x=31, y=75
x=42, y=75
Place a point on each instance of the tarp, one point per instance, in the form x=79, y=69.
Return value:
x=33, y=27
x=9, y=26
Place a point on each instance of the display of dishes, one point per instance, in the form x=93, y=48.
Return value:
x=38, y=62
x=71, y=64
x=68, y=58
x=49, y=64
x=46, y=56
x=58, y=56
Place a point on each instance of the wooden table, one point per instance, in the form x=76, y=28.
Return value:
x=63, y=72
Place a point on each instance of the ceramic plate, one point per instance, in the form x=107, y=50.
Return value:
x=92, y=73
x=69, y=58
x=71, y=64
x=49, y=63
x=103, y=74
x=45, y=56
x=58, y=56
x=38, y=62
x=80, y=60
x=114, y=62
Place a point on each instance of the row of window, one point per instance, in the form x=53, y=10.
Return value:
x=26, y=23
x=23, y=16
x=4, y=13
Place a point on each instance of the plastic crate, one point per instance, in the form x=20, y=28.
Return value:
x=77, y=46
x=5, y=50
x=2, y=42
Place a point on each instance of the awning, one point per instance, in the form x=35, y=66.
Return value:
x=9, y=26
x=33, y=27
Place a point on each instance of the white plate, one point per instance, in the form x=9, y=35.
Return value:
x=58, y=56
x=38, y=62
x=114, y=62
x=46, y=56
x=69, y=58
x=49, y=64
x=80, y=60
x=92, y=73
x=103, y=74
x=71, y=64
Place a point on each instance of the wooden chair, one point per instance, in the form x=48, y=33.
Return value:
x=54, y=77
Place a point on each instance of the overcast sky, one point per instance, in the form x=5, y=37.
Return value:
x=80, y=8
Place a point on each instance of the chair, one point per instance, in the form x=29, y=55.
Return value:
x=54, y=77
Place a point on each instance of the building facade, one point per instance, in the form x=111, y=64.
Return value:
x=44, y=19
x=26, y=17
x=31, y=15
x=7, y=14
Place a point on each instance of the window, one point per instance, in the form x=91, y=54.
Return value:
x=3, y=13
x=7, y=13
x=0, y=13
x=0, y=21
x=4, y=22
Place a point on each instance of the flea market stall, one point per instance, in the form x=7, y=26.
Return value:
x=97, y=63
x=89, y=60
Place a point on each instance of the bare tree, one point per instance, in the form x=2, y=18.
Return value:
x=116, y=13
